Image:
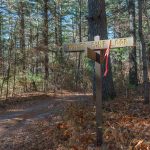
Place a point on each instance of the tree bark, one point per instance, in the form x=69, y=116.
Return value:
x=37, y=42
x=58, y=24
x=146, y=15
x=22, y=34
x=9, y=67
x=98, y=26
x=45, y=36
x=133, y=80
x=1, y=51
x=15, y=67
x=80, y=20
x=144, y=58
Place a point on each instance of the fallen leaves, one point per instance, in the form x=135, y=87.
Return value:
x=62, y=126
x=126, y=126
x=64, y=132
x=139, y=145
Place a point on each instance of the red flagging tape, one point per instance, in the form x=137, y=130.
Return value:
x=107, y=58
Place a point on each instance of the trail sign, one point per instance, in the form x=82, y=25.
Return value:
x=97, y=50
x=100, y=44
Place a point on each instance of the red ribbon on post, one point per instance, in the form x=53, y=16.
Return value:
x=107, y=58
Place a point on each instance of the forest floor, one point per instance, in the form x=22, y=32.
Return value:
x=67, y=122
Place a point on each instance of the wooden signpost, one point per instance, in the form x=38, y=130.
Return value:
x=99, y=44
x=94, y=52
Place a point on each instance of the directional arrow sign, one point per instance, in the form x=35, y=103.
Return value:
x=101, y=44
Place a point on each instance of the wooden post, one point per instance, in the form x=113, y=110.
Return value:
x=97, y=55
x=98, y=74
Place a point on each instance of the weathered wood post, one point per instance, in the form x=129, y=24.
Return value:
x=98, y=74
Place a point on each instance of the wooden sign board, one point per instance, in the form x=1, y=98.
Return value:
x=101, y=44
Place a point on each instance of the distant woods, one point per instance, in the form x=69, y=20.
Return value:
x=32, y=33
x=31, y=36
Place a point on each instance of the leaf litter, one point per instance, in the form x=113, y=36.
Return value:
x=126, y=126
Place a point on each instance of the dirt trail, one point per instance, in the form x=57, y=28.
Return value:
x=14, y=121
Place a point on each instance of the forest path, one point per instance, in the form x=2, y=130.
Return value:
x=14, y=120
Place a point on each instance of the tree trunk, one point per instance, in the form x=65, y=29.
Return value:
x=133, y=80
x=80, y=20
x=58, y=24
x=45, y=36
x=98, y=26
x=1, y=54
x=1, y=51
x=15, y=68
x=73, y=30
x=148, y=27
x=37, y=43
x=144, y=58
x=9, y=61
x=146, y=15
x=22, y=40
x=9, y=66
x=80, y=40
x=22, y=33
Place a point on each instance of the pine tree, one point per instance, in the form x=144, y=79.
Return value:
x=98, y=26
